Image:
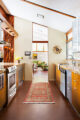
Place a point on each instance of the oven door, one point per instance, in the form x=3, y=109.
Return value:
x=11, y=81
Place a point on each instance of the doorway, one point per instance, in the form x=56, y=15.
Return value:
x=40, y=53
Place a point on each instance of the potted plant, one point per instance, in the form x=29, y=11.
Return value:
x=18, y=59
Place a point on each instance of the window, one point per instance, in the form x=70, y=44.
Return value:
x=40, y=38
x=40, y=33
x=40, y=47
x=69, y=50
x=1, y=33
x=69, y=36
x=34, y=47
x=69, y=44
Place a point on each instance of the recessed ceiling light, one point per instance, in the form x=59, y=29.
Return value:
x=40, y=16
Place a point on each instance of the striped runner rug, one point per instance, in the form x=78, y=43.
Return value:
x=39, y=93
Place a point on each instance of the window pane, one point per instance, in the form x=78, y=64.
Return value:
x=39, y=46
x=40, y=33
x=1, y=32
x=69, y=49
x=69, y=35
x=33, y=46
x=45, y=46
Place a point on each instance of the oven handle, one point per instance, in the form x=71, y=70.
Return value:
x=11, y=73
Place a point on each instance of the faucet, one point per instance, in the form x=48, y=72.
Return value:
x=71, y=56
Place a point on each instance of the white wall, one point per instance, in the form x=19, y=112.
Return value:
x=24, y=43
x=56, y=38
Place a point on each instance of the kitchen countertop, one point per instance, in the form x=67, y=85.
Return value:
x=2, y=64
x=8, y=64
x=71, y=68
x=2, y=71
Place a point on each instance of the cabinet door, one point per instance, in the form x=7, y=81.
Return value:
x=17, y=80
x=23, y=71
x=3, y=92
x=56, y=74
x=74, y=89
x=78, y=93
x=58, y=77
x=20, y=74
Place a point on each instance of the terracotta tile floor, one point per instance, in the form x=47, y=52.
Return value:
x=17, y=110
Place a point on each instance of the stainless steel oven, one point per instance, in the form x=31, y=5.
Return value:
x=11, y=83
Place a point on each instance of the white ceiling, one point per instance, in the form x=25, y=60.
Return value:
x=51, y=19
x=71, y=7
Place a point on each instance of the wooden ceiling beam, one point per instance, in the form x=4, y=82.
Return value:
x=3, y=15
x=4, y=7
x=39, y=41
x=69, y=31
x=53, y=10
x=5, y=22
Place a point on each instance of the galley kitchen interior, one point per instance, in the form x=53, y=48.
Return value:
x=39, y=60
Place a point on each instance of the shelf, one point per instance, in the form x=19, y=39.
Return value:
x=5, y=24
x=8, y=28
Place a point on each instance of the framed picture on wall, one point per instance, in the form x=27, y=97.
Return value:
x=34, y=55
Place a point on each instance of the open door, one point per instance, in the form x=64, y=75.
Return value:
x=40, y=53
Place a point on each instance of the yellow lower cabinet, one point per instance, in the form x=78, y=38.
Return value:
x=58, y=74
x=76, y=91
x=3, y=93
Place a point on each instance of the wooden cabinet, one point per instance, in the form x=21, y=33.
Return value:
x=3, y=91
x=20, y=74
x=58, y=75
x=17, y=78
x=76, y=91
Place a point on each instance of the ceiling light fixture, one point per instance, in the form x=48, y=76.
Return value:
x=40, y=16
